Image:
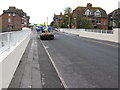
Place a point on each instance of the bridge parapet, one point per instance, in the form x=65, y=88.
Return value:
x=108, y=35
x=14, y=46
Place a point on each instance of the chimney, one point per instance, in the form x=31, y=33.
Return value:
x=12, y=8
x=61, y=13
x=89, y=5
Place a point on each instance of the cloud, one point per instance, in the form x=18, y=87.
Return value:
x=119, y=4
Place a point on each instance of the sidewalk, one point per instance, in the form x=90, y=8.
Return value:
x=27, y=74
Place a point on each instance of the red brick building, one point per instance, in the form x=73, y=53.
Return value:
x=58, y=19
x=114, y=19
x=14, y=19
x=96, y=15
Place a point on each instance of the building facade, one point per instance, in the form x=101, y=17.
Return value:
x=114, y=19
x=58, y=20
x=95, y=15
x=14, y=19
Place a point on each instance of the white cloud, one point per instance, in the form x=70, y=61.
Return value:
x=119, y=4
x=39, y=10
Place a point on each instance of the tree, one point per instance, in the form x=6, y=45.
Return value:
x=68, y=11
x=84, y=23
x=117, y=22
x=51, y=24
x=54, y=26
x=67, y=17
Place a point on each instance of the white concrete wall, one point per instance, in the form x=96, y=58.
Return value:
x=0, y=75
x=10, y=61
x=100, y=36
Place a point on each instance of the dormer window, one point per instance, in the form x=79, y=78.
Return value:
x=87, y=12
x=9, y=14
x=97, y=13
x=13, y=14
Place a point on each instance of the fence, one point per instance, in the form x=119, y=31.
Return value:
x=108, y=35
x=10, y=39
x=99, y=31
x=92, y=30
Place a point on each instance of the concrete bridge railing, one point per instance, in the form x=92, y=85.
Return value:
x=112, y=36
x=10, y=58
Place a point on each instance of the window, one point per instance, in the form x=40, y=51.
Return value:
x=9, y=14
x=13, y=14
x=87, y=12
x=25, y=23
x=97, y=13
x=104, y=23
x=98, y=21
x=9, y=20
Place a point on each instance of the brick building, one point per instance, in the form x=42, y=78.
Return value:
x=14, y=19
x=58, y=19
x=114, y=19
x=96, y=15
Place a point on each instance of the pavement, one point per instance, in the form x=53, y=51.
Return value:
x=67, y=61
x=35, y=69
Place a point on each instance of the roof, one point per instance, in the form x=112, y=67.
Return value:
x=115, y=14
x=58, y=16
x=14, y=10
x=92, y=9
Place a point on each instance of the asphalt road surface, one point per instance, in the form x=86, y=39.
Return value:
x=82, y=62
x=68, y=61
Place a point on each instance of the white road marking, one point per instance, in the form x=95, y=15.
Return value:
x=60, y=76
x=46, y=47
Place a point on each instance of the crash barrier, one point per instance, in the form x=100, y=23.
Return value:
x=108, y=35
x=14, y=45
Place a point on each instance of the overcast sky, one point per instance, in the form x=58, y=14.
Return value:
x=39, y=10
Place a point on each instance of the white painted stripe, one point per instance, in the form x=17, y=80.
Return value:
x=60, y=76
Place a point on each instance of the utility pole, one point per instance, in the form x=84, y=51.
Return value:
x=68, y=21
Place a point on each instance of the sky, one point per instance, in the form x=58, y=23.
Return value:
x=39, y=10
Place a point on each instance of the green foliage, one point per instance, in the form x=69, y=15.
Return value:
x=64, y=25
x=117, y=22
x=42, y=25
x=51, y=24
x=68, y=11
x=54, y=26
x=84, y=23
x=35, y=24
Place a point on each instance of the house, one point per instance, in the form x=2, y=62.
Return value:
x=58, y=20
x=95, y=15
x=114, y=19
x=14, y=19
x=0, y=24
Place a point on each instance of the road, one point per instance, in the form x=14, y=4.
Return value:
x=83, y=63
x=68, y=61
